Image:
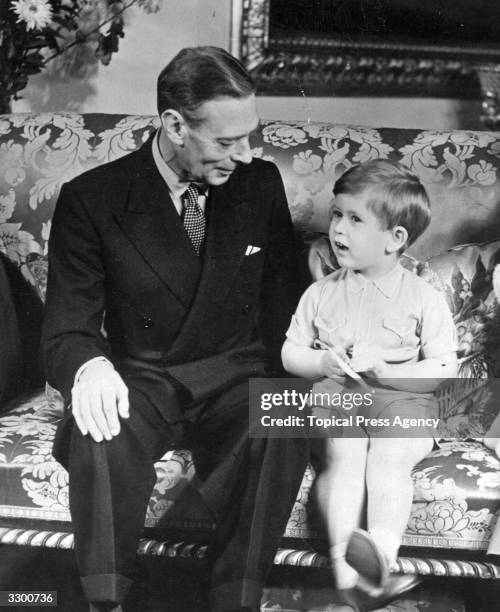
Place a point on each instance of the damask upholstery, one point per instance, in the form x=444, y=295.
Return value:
x=457, y=488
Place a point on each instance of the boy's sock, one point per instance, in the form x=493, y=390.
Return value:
x=388, y=542
x=346, y=577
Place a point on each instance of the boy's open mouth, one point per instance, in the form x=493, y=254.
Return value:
x=340, y=246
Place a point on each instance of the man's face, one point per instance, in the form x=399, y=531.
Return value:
x=219, y=141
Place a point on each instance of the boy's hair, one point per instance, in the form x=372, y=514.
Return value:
x=396, y=195
x=199, y=74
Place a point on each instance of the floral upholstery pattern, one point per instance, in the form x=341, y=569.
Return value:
x=457, y=487
x=40, y=489
x=40, y=152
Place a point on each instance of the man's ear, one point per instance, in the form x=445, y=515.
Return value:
x=397, y=239
x=174, y=126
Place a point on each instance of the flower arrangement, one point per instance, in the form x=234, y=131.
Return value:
x=34, y=32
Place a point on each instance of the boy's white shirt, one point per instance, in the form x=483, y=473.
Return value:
x=346, y=309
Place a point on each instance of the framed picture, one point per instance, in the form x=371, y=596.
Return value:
x=369, y=47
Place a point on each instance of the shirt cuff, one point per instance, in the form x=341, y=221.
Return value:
x=87, y=363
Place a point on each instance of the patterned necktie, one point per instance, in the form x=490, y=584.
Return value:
x=194, y=219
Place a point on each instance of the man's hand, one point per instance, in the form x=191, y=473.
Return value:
x=98, y=397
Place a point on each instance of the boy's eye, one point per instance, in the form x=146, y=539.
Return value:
x=336, y=214
x=355, y=218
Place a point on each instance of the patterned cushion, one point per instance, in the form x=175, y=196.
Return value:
x=464, y=275
x=457, y=488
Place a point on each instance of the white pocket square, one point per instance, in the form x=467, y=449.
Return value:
x=252, y=249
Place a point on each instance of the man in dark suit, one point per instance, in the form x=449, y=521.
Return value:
x=171, y=282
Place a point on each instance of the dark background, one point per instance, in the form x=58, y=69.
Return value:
x=443, y=22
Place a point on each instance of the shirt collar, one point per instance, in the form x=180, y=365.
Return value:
x=386, y=284
x=176, y=185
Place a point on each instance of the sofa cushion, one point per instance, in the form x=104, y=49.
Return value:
x=35, y=486
x=464, y=275
x=457, y=488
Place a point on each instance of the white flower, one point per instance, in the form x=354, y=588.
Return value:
x=35, y=13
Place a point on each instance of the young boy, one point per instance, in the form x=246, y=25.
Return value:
x=398, y=331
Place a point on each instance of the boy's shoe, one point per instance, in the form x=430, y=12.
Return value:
x=366, y=558
x=395, y=586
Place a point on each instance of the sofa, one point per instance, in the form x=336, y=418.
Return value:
x=457, y=487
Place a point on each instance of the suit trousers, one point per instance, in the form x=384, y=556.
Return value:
x=248, y=484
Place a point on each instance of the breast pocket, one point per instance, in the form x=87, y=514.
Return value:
x=400, y=331
x=252, y=260
x=332, y=332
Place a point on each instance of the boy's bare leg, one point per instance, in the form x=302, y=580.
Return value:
x=390, y=488
x=341, y=497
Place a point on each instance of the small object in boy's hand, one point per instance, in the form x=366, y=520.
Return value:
x=347, y=369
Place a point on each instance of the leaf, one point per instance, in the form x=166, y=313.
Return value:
x=36, y=44
x=33, y=70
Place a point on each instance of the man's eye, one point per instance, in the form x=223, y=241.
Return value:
x=337, y=214
x=225, y=143
x=355, y=218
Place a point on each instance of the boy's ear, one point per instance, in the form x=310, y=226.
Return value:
x=174, y=126
x=397, y=239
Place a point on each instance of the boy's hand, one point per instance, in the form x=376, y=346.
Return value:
x=329, y=363
x=372, y=365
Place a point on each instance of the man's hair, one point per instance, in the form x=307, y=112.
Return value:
x=395, y=194
x=198, y=74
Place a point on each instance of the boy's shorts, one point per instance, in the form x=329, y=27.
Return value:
x=386, y=412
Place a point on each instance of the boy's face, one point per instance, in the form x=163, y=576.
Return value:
x=358, y=238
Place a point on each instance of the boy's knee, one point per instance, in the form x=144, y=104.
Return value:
x=351, y=451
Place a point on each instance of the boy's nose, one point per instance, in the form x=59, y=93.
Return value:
x=338, y=225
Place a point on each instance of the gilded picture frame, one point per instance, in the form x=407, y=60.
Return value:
x=315, y=62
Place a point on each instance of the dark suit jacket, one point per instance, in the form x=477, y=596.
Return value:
x=120, y=260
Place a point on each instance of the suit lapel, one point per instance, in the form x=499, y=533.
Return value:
x=226, y=240
x=225, y=248
x=154, y=227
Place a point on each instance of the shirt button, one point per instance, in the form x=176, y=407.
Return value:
x=147, y=322
x=246, y=308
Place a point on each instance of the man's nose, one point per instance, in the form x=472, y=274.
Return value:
x=242, y=152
